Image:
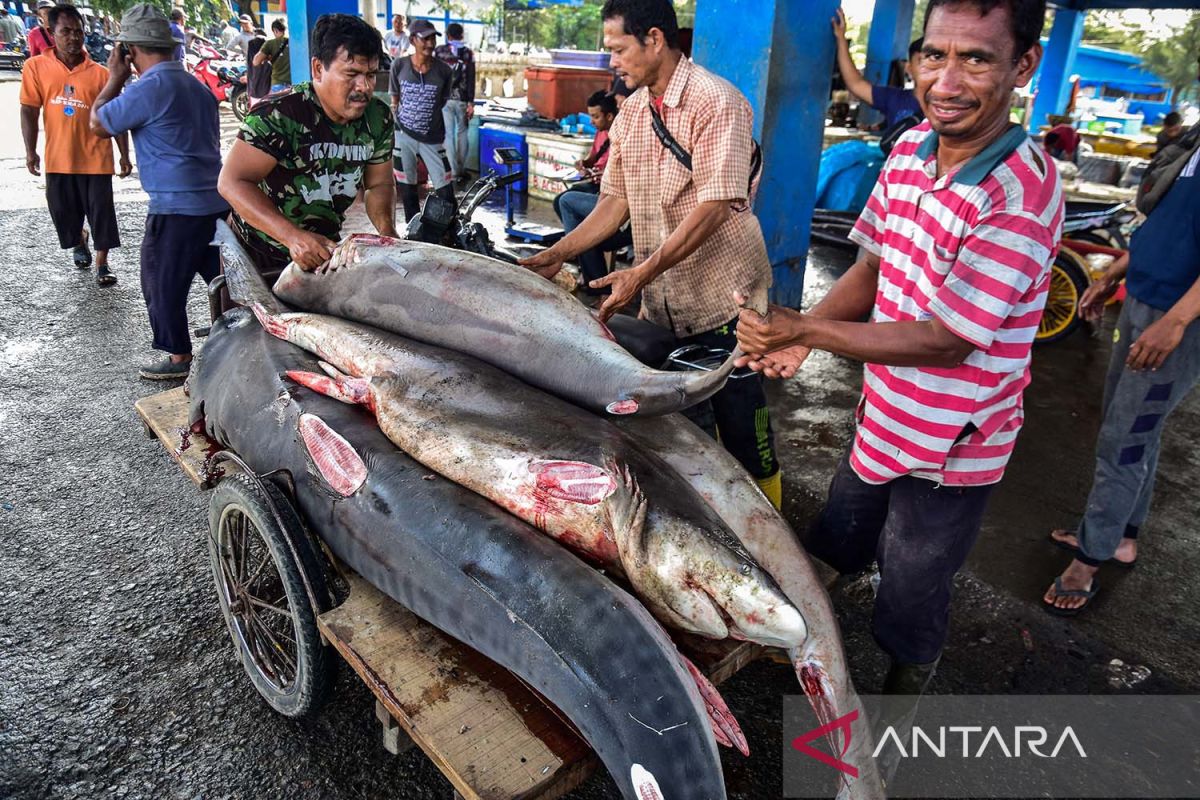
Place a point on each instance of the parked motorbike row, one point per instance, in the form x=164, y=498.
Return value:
x=223, y=73
x=14, y=54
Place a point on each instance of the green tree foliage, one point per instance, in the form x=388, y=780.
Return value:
x=1174, y=59
x=200, y=13
x=556, y=26
x=565, y=26
x=918, y=23
x=1109, y=29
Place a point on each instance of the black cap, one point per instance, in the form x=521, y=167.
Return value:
x=422, y=29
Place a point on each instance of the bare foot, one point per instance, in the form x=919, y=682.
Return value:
x=1126, y=551
x=1077, y=576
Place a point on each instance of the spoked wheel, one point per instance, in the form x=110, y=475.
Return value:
x=1068, y=282
x=254, y=532
x=241, y=103
x=1101, y=236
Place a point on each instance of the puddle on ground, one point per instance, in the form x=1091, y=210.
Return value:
x=19, y=352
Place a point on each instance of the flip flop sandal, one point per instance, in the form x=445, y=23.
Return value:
x=1073, y=550
x=1059, y=591
x=104, y=277
x=82, y=257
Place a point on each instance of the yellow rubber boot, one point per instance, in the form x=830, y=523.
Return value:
x=772, y=487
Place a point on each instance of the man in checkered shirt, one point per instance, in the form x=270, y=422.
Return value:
x=695, y=238
x=959, y=235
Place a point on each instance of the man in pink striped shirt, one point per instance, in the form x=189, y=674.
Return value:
x=959, y=235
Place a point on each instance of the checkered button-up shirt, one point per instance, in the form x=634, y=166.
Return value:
x=712, y=121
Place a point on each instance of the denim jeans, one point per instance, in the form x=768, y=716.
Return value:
x=1136, y=406
x=454, y=114
x=920, y=533
x=572, y=207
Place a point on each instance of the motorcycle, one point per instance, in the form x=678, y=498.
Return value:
x=449, y=224
x=12, y=56
x=1089, y=229
x=99, y=46
x=224, y=77
x=1094, y=233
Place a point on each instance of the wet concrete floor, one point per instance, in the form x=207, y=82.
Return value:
x=1149, y=611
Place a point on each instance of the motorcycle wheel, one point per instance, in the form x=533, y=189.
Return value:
x=1103, y=237
x=241, y=103
x=1068, y=282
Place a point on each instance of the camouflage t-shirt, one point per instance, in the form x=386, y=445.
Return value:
x=321, y=165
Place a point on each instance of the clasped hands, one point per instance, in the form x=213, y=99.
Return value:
x=770, y=344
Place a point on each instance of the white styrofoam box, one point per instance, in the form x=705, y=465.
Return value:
x=550, y=156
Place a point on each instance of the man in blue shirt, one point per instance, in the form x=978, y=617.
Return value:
x=1155, y=364
x=894, y=103
x=176, y=133
x=178, y=31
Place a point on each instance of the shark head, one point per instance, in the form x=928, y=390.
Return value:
x=694, y=574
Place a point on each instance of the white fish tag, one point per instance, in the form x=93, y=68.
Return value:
x=403, y=272
x=645, y=787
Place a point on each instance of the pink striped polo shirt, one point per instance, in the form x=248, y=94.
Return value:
x=973, y=249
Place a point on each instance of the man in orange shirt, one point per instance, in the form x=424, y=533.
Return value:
x=63, y=83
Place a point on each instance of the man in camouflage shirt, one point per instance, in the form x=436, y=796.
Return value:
x=300, y=159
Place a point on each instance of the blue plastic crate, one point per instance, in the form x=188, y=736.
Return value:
x=491, y=137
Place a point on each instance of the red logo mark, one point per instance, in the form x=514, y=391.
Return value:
x=842, y=723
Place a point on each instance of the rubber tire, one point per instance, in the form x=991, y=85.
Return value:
x=1067, y=265
x=240, y=102
x=1102, y=237
x=316, y=663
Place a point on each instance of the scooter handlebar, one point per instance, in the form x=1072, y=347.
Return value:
x=509, y=179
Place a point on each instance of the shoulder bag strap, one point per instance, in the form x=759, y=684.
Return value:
x=667, y=140
x=685, y=158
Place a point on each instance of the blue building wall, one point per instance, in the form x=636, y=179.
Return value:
x=1115, y=73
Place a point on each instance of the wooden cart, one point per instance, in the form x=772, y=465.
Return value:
x=489, y=734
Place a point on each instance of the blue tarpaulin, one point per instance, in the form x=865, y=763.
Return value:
x=847, y=174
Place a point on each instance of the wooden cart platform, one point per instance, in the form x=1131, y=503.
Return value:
x=490, y=735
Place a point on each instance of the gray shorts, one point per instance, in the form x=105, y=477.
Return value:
x=408, y=150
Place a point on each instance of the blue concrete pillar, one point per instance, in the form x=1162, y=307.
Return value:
x=888, y=38
x=782, y=62
x=301, y=14
x=1058, y=64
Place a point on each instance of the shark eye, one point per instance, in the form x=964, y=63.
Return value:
x=745, y=569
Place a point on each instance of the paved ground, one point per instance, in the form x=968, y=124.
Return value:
x=116, y=675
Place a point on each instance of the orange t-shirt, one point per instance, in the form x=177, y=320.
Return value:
x=66, y=97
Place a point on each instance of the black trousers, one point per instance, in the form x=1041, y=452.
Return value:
x=175, y=250
x=737, y=415
x=73, y=198
x=920, y=533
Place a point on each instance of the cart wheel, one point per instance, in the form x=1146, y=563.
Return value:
x=262, y=595
x=1068, y=281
